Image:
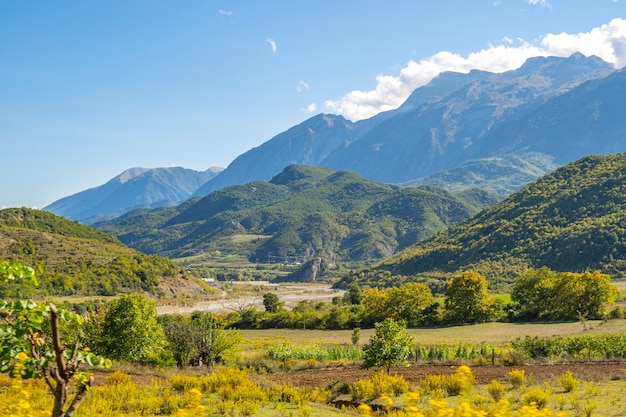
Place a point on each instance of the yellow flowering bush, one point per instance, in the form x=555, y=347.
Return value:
x=517, y=378
x=378, y=385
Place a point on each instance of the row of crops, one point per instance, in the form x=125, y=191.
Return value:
x=588, y=347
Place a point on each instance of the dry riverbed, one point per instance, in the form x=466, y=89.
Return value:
x=246, y=295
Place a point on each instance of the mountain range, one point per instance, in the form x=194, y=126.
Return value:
x=495, y=131
x=573, y=219
x=456, y=119
x=133, y=188
x=304, y=213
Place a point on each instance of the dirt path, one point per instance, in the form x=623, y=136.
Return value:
x=483, y=374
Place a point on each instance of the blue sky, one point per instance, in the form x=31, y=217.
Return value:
x=89, y=89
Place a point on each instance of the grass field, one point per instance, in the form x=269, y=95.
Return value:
x=479, y=333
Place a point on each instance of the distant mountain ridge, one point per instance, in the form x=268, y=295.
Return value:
x=303, y=213
x=133, y=188
x=497, y=131
x=443, y=125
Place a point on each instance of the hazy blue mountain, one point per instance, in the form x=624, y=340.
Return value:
x=498, y=175
x=590, y=119
x=307, y=143
x=447, y=130
x=497, y=131
x=133, y=188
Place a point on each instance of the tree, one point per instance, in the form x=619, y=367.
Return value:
x=563, y=295
x=534, y=292
x=356, y=336
x=375, y=304
x=409, y=302
x=28, y=351
x=210, y=340
x=271, y=302
x=467, y=299
x=389, y=345
x=177, y=329
x=583, y=295
x=128, y=330
x=353, y=294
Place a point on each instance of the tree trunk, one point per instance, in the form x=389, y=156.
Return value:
x=60, y=396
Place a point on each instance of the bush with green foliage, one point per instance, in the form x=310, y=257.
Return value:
x=389, y=346
x=127, y=329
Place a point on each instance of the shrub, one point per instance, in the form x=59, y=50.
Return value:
x=118, y=378
x=432, y=385
x=438, y=385
x=536, y=396
x=568, y=381
x=392, y=385
x=379, y=385
x=517, y=378
x=184, y=382
x=465, y=375
x=496, y=389
x=362, y=390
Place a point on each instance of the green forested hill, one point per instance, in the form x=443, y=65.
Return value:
x=302, y=213
x=71, y=258
x=571, y=220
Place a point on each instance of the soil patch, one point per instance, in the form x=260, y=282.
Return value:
x=321, y=378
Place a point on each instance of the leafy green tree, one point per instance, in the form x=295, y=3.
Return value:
x=467, y=299
x=563, y=295
x=210, y=340
x=128, y=330
x=583, y=295
x=534, y=292
x=177, y=329
x=353, y=294
x=409, y=302
x=28, y=351
x=375, y=305
x=355, y=336
x=389, y=345
x=271, y=302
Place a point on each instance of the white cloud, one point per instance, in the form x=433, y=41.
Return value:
x=272, y=44
x=226, y=12
x=302, y=85
x=311, y=108
x=607, y=41
x=543, y=3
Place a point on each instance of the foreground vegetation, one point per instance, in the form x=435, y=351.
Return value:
x=232, y=392
x=40, y=342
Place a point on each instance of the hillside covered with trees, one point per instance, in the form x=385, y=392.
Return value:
x=571, y=220
x=302, y=213
x=73, y=259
